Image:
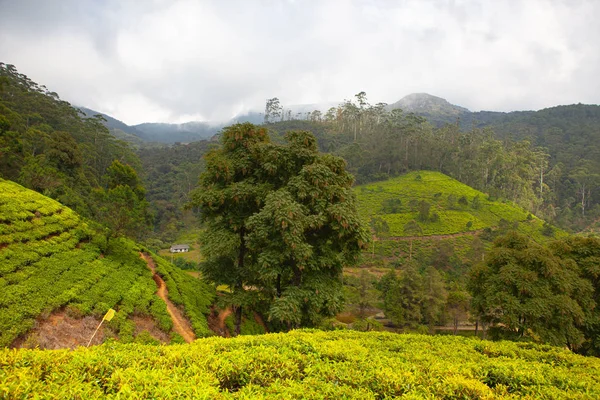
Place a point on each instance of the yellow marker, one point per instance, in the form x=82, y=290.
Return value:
x=107, y=317
x=109, y=314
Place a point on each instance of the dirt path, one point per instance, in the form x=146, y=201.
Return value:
x=180, y=323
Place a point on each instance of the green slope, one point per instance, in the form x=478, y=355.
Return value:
x=52, y=259
x=444, y=196
x=304, y=364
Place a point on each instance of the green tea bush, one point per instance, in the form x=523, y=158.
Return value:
x=50, y=259
x=304, y=364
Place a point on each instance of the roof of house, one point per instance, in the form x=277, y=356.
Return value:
x=180, y=247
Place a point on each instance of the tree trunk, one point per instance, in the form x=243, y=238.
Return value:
x=238, y=320
x=240, y=286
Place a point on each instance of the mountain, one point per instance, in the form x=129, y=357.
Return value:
x=172, y=133
x=111, y=123
x=59, y=274
x=117, y=128
x=435, y=108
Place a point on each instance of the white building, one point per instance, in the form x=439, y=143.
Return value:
x=179, y=248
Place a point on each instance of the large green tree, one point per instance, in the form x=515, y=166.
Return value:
x=586, y=253
x=523, y=290
x=281, y=224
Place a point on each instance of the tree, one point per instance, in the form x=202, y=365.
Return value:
x=273, y=110
x=412, y=228
x=424, y=208
x=281, y=224
x=403, y=297
x=586, y=253
x=230, y=191
x=457, y=305
x=434, y=297
x=122, y=206
x=524, y=291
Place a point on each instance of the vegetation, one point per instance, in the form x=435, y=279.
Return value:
x=304, y=364
x=46, y=145
x=170, y=174
x=192, y=294
x=50, y=259
x=570, y=136
x=523, y=290
x=281, y=224
x=440, y=205
x=545, y=161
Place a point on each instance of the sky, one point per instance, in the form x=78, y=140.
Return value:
x=182, y=60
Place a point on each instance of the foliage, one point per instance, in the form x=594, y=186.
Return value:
x=170, y=173
x=525, y=291
x=50, y=258
x=122, y=207
x=47, y=146
x=281, y=220
x=191, y=293
x=586, y=253
x=437, y=193
x=304, y=364
x=545, y=161
x=414, y=298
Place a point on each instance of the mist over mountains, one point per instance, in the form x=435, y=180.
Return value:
x=436, y=110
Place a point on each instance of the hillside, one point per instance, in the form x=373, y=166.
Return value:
x=453, y=207
x=304, y=364
x=172, y=133
x=118, y=128
x=56, y=267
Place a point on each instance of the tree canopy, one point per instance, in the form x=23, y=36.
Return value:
x=525, y=291
x=281, y=224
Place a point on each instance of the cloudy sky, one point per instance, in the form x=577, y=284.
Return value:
x=173, y=61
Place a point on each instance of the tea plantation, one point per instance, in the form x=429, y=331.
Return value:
x=304, y=364
x=452, y=207
x=51, y=259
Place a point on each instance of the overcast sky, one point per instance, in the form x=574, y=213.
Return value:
x=174, y=61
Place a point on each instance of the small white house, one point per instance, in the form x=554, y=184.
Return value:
x=179, y=248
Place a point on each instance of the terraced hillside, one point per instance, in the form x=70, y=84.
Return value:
x=305, y=365
x=454, y=208
x=53, y=261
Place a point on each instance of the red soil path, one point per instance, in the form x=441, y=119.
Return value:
x=180, y=324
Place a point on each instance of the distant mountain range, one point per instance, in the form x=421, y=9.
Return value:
x=437, y=110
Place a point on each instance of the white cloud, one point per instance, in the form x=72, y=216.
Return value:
x=165, y=61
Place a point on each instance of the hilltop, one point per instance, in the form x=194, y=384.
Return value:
x=305, y=364
x=428, y=105
x=453, y=207
x=436, y=220
x=58, y=270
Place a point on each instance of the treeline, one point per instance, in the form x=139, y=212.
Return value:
x=50, y=147
x=378, y=143
x=522, y=291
